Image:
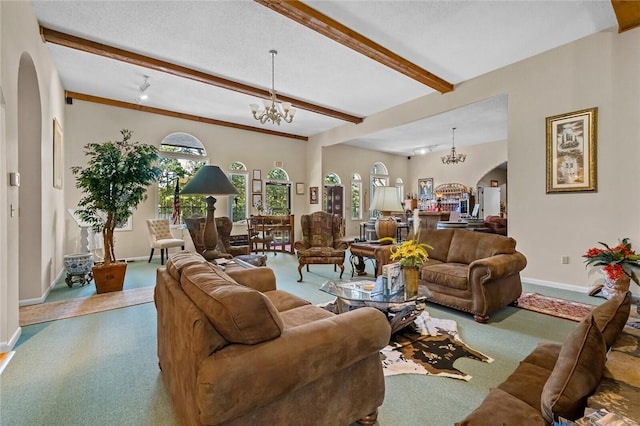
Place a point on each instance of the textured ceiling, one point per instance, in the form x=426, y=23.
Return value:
x=456, y=40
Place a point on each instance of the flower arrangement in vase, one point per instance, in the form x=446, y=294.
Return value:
x=410, y=255
x=618, y=266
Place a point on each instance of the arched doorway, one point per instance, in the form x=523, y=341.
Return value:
x=492, y=192
x=29, y=243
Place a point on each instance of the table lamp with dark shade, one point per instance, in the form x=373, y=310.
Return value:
x=386, y=199
x=210, y=181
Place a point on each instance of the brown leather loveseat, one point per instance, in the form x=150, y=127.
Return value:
x=470, y=271
x=556, y=379
x=234, y=350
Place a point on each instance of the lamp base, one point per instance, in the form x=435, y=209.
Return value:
x=386, y=228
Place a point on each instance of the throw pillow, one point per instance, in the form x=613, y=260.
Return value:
x=576, y=374
x=612, y=315
x=240, y=314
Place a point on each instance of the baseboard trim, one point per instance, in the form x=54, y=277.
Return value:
x=553, y=284
x=567, y=287
x=8, y=346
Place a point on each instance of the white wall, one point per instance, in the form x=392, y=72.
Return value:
x=89, y=122
x=20, y=35
x=597, y=71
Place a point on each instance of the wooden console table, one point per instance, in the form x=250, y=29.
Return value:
x=281, y=228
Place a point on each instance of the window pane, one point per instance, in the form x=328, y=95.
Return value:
x=278, y=198
x=182, y=169
x=356, y=200
x=238, y=202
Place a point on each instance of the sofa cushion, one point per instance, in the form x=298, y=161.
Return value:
x=526, y=383
x=284, y=301
x=452, y=275
x=304, y=315
x=500, y=408
x=468, y=246
x=576, y=374
x=439, y=239
x=544, y=355
x=612, y=315
x=240, y=314
x=178, y=261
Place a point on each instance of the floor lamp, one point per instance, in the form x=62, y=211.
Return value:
x=210, y=181
x=386, y=199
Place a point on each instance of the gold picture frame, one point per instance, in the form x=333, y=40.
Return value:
x=572, y=151
x=57, y=155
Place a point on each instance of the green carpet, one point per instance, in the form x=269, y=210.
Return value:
x=101, y=369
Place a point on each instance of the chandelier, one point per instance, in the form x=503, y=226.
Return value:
x=274, y=110
x=453, y=158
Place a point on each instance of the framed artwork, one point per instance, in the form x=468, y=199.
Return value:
x=57, y=154
x=256, y=200
x=299, y=188
x=571, y=151
x=425, y=188
x=494, y=183
x=257, y=174
x=313, y=195
x=256, y=185
x=125, y=226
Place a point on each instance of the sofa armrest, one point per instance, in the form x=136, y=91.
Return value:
x=382, y=254
x=500, y=265
x=301, y=355
x=261, y=278
x=340, y=245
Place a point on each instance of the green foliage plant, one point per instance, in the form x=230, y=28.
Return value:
x=114, y=182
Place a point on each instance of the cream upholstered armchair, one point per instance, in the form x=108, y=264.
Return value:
x=160, y=237
x=321, y=241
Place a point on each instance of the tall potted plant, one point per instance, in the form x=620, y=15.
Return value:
x=114, y=182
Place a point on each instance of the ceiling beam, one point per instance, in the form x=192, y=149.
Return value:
x=628, y=14
x=311, y=18
x=73, y=42
x=69, y=96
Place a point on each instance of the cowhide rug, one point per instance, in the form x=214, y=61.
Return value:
x=430, y=347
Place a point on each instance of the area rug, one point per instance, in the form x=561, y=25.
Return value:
x=429, y=348
x=34, y=314
x=567, y=309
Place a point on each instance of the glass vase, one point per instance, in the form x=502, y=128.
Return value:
x=614, y=287
x=410, y=277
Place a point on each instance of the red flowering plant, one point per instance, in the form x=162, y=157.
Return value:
x=616, y=261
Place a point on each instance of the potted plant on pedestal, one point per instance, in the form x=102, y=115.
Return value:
x=114, y=182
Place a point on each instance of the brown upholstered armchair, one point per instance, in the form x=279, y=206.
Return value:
x=195, y=225
x=321, y=241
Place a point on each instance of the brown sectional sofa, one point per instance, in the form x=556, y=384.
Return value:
x=556, y=379
x=470, y=271
x=234, y=350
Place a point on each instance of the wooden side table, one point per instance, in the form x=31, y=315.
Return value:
x=360, y=252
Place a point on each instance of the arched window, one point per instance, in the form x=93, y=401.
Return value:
x=400, y=186
x=379, y=177
x=180, y=156
x=356, y=197
x=278, y=192
x=239, y=203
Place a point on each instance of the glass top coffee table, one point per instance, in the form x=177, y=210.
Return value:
x=356, y=293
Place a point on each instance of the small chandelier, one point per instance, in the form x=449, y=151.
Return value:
x=453, y=158
x=274, y=111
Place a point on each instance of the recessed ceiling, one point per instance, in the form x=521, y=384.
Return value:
x=455, y=40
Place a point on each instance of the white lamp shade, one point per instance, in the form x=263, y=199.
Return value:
x=386, y=199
